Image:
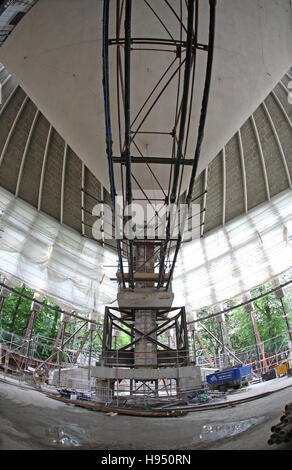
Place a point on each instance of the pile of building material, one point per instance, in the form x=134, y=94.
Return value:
x=282, y=432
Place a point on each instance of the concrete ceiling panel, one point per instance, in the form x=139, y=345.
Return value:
x=55, y=53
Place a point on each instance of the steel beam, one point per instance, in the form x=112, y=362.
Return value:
x=108, y=124
x=179, y=152
x=127, y=153
x=154, y=160
x=203, y=116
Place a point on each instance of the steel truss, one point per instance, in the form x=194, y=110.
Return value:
x=166, y=319
x=184, y=62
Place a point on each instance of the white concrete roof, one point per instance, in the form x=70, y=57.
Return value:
x=55, y=55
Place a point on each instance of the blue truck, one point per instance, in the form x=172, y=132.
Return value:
x=233, y=377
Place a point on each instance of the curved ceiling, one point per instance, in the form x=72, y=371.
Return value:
x=55, y=55
x=37, y=165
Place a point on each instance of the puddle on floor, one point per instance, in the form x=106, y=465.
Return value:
x=215, y=431
x=66, y=436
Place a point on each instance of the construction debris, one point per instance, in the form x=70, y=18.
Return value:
x=200, y=398
x=282, y=431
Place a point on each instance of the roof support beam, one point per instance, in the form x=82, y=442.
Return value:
x=40, y=196
x=63, y=183
x=12, y=128
x=282, y=108
x=25, y=152
x=259, y=144
x=82, y=198
x=223, y=185
x=284, y=87
x=8, y=100
x=6, y=80
x=204, y=200
x=243, y=171
x=284, y=160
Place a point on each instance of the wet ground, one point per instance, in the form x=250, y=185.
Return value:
x=31, y=421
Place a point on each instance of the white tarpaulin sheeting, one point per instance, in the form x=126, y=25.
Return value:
x=74, y=271
x=53, y=259
x=247, y=252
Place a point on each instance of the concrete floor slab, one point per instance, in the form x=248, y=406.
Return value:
x=30, y=420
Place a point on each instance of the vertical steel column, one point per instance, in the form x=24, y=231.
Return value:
x=225, y=340
x=205, y=350
x=280, y=294
x=81, y=347
x=185, y=335
x=27, y=333
x=258, y=343
x=35, y=308
x=108, y=127
x=255, y=331
x=4, y=294
x=184, y=107
x=128, y=13
x=61, y=350
x=55, y=347
x=30, y=329
x=286, y=318
x=89, y=359
x=203, y=116
x=194, y=346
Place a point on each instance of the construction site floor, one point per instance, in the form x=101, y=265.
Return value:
x=29, y=420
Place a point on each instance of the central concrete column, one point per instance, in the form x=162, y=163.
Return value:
x=145, y=350
x=145, y=321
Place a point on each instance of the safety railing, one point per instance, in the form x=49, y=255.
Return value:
x=18, y=353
